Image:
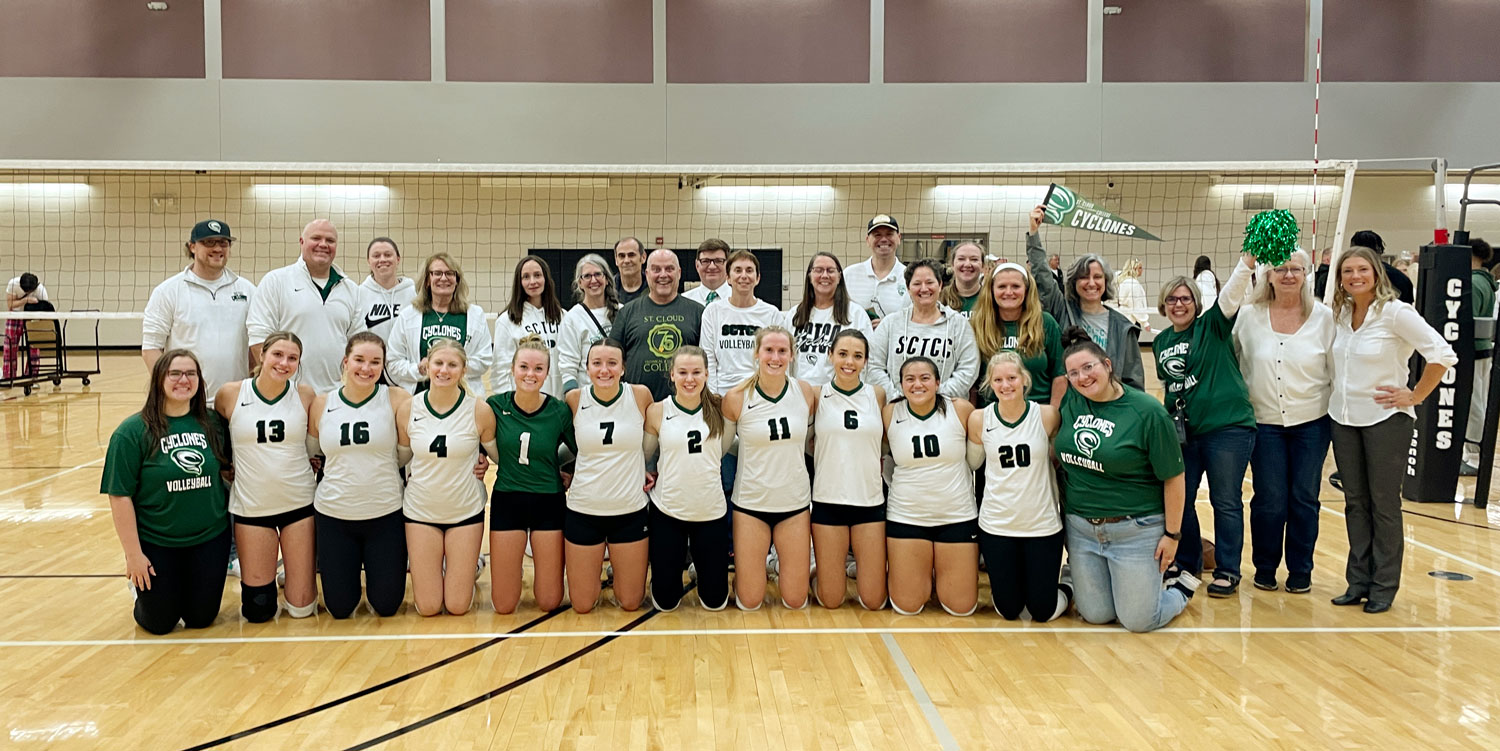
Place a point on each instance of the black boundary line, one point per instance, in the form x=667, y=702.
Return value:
x=517, y=683
x=380, y=686
x=1452, y=521
x=61, y=576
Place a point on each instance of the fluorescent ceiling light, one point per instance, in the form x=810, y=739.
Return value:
x=1232, y=188
x=955, y=190
x=1484, y=191
x=45, y=189
x=301, y=190
x=593, y=183
x=740, y=192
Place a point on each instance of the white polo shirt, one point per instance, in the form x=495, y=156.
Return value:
x=699, y=294
x=289, y=300
x=885, y=294
x=207, y=317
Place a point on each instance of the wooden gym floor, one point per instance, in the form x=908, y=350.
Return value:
x=1259, y=670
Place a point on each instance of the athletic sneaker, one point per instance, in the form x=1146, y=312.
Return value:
x=850, y=569
x=773, y=565
x=1184, y=581
x=234, y=567
x=1267, y=583
x=479, y=564
x=1298, y=585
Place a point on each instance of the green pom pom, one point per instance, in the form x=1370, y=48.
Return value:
x=1271, y=236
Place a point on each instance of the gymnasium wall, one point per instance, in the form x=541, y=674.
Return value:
x=724, y=81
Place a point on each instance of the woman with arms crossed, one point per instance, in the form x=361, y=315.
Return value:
x=931, y=530
x=167, y=499
x=773, y=413
x=692, y=434
x=272, y=504
x=444, y=504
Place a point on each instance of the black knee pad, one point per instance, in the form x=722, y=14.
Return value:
x=258, y=603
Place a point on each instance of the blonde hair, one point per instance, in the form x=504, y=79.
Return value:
x=363, y=337
x=444, y=343
x=1009, y=357
x=1171, y=286
x=534, y=343
x=1344, y=302
x=989, y=328
x=1132, y=269
x=760, y=336
x=713, y=411
x=1264, y=292
x=274, y=337
x=949, y=296
x=423, y=300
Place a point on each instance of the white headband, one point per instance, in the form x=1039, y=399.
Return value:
x=1009, y=266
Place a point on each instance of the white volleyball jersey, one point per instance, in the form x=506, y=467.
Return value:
x=360, y=478
x=846, y=454
x=1020, y=488
x=611, y=467
x=269, y=438
x=932, y=484
x=772, y=474
x=688, y=487
x=441, y=487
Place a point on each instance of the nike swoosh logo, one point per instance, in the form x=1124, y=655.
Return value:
x=416, y=419
x=503, y=412
x=990, y=430
x=296, y=289
x=246, y=404
x=584, y=407
x=371, y=323
x=668, y=417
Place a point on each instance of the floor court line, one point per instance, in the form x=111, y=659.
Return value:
x=694, y=632
x=1433, y=549
x=919, y=693
x=50, y=477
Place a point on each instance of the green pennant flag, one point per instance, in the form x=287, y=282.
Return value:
x=1065, y=208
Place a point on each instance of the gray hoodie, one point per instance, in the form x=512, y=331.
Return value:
x=1124, y=346
x=949, y=343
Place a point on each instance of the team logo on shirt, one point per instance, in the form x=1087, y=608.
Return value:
x=186, y=451
x=239, y=297
x=664, y=339
x=188, y=460
x=1089, y=431
x=380, y=313
x=1174, y=360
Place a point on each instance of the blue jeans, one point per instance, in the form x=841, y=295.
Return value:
x=1223, y=454
x=1287, y=470
x=1115, y=574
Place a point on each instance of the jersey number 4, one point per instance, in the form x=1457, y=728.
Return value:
x=439, y=446
x=1015, y=456
x=270, y=431
x=354, y=433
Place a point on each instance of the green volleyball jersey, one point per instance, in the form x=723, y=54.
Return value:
x=1198, y=367
x=437, y=326
x=528, y=443
x=174, y=482
x=1116, y=455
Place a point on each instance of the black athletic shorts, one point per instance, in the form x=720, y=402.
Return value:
x=519, y=511
x=958, y=532
x=475, y=519
x=771, y=518
x=842, y=515
x=276, y=521
x=591, y=529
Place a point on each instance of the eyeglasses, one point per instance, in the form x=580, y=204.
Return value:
x=1086, y=370
x=1180, y=300
x=591, y=276
x=178, y=375
x=711, y=261
x=443, y=274
x=825, y=272
x=215, y=242
x=1289, y=270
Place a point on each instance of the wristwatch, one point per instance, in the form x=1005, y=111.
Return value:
x=1172, y=535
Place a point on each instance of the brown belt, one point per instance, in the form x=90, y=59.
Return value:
x=1098, y=520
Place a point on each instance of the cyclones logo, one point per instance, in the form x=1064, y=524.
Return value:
x=1175, y=367
x=1087, y=440
x=187, y=459
x=1059, y=204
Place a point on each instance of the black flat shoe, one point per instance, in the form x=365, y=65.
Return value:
x=1377, y=606
x=1266, y=583
x=1351, y=598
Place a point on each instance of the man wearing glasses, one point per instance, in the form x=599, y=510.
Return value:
x=713, y=253
x=202, y=309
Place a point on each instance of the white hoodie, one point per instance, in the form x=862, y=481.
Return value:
x=405, y=349
x=533, y=321
x=577, y=332
x=949, y=343
x=380, y=306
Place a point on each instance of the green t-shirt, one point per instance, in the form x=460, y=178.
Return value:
x=528, y=443
x=1199, y=367
x=966, y=304
x=1116, y=455
x=174, y=483
x=437, y=326
x=1043, y=366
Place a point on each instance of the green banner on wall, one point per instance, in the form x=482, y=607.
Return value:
x=1065, y=208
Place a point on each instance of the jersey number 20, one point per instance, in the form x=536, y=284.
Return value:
x=1015, y=456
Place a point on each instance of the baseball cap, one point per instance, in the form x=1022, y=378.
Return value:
x=210, y=228
x=882, y=220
